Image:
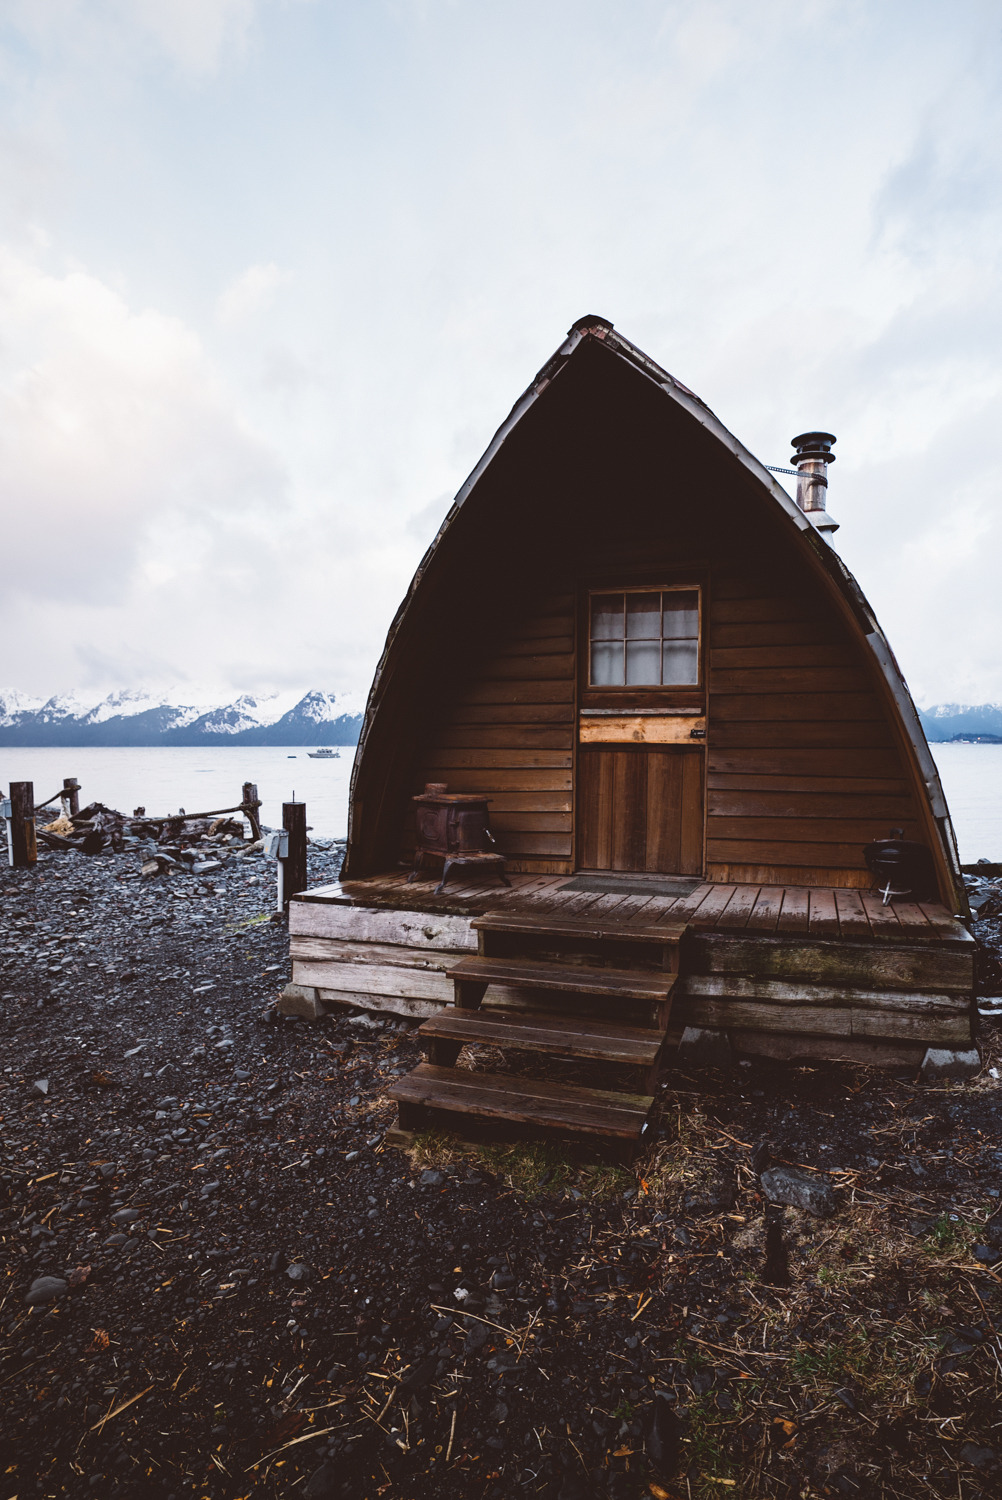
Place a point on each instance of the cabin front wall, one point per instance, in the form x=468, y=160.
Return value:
x=799, y=768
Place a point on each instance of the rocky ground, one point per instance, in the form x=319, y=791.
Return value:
x=219, y=1281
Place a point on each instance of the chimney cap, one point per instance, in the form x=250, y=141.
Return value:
x=816, y=445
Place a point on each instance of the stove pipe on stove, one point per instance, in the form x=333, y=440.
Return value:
x=812, y=457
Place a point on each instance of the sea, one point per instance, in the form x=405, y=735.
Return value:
x=200, y=780
x=163, y=780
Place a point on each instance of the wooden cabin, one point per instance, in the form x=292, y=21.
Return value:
x=653, y=663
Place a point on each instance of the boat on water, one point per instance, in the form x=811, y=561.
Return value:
x=324, y=754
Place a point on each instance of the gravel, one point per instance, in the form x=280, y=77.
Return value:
x=223, y=1283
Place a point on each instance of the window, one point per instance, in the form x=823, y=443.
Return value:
x=649, y=638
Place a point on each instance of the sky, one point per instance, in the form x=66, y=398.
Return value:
x=273, y=271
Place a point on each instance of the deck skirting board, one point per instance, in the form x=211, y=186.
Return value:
x=868, y=965
x=824, y=1021
x=396, y=1005
x=369, y=924
x=777, y=992
x=323, y=950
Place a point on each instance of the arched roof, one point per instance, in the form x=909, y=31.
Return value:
x=388, y=690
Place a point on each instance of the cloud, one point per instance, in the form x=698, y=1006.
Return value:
x=194, y=34
x=112, y=420
x=249, y=292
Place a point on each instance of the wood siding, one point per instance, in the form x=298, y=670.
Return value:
x=509, y=732
x=803, y=768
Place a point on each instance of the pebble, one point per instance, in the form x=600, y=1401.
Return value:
x=797, y=1189
x=46, y=1289
x=125, y=1216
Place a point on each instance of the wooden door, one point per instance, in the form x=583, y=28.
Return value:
x=640, y=808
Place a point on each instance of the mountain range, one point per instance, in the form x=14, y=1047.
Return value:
x=315, y=718
x=137, y=718
x=951, y=721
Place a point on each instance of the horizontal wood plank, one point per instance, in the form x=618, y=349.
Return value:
x=785, y=993
x=507, y=757
x=758, y=740
x=802, y=707
x=723, y=871
x=878, y=808
x=765, y=681
x=721, y=780
x=795, y=653
x=360, y=924
x=373, y=979
x=533, y=667
x=505, y=778
x=501, y=714
x=548, y=1033
x=744, y=611
x=892, y=966
x=622, y=984
x=502, y=737
x=935, y=1031
x=772, y=853
x=805, y=830
x=501, y=691
x=751, y=634
x=532, y=1102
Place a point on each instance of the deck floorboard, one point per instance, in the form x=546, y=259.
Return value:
x=754, y=910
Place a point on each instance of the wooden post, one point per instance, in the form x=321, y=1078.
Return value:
x=294, y=823
x=71, y=793
x=22, y=807
x=251, y=803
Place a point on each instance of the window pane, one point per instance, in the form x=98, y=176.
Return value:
x=681, y=662
x=607, y=663
x=607, y=617
x=643, y=665
x=643, y=617
x=681, y=615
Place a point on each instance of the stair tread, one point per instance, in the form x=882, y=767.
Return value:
x=526, y=1100
x=608, y=930
x=627, y=984
x=540, y=1031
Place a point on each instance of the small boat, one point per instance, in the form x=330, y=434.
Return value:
x=325, y=754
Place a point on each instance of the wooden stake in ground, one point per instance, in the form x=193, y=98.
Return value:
x=24, y=849
x=250, y=805
x=71, y=793
x=294, y=823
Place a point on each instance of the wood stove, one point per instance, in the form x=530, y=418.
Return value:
x=454, y=827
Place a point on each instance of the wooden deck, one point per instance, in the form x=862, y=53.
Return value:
x=785, y=971
x=832, y=914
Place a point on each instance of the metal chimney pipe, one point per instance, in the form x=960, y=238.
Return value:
x=812, y=457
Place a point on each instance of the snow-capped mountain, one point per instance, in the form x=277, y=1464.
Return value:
x=947, y=721
x=139, y=718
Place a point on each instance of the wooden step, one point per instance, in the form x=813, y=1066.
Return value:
x=538, y=1031
x=618, y=1118
x=552, y=924
x=577, y=979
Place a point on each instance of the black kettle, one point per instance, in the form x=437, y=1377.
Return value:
x=902, y=867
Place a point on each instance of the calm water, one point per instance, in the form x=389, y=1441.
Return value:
x=164, y=780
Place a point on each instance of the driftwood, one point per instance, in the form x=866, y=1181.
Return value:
x=187, y=817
